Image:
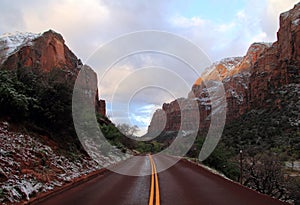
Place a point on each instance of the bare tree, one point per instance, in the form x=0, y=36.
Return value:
x=128, y=130
x=264, y=173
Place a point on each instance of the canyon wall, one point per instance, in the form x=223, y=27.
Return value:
x=249, y=81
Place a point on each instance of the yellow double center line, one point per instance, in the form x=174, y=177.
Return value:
x=154, y=184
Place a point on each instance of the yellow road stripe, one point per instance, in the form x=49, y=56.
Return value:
x=154, y=175
x=157, y=196
x=151, y=198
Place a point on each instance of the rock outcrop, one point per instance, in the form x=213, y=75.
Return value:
x=44, y=52
x=248, y=81
x=279, y=65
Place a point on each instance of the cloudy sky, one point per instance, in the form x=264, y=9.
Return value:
x=221, y=28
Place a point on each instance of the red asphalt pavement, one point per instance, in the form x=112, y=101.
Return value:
x=183, y=184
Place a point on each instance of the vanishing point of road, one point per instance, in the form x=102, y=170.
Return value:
x=184, y=183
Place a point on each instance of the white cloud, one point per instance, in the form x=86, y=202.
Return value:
x=225, y=27
x=110, y=81
x=183, y=22
x=66, y=15
x=257, y=21
x=270, y=17
x=141, y=119
x=141, y=116
x=260, y=37
x=78, y=22
x=11, y=17
x=87, y=24
x=84, y=24
x=241, y=15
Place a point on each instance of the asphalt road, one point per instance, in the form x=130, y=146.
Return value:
x=183, y=184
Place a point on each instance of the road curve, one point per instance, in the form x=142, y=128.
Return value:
x=183, y=184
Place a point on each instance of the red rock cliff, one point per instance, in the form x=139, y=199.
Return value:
x=279, y=65
x=248, y=81
x=44, y=52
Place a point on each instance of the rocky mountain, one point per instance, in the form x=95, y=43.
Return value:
x=39, y=149
x=43, y=52
x=250, y=81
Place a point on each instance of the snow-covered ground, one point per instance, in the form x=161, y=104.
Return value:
x=29, y=165
x=294, y=166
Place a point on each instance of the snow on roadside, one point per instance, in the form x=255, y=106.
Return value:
x=196, y=162
x=29, y=166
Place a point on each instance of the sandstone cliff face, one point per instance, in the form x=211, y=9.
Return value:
x=45, y=53
x=179, y=114
x=248, y=81
x=279, y=65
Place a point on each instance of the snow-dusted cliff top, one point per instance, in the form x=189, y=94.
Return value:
x=12, y=42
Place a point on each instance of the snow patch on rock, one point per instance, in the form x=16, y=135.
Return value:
x=296, y=22
x=12, y=42
x=231, y=62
